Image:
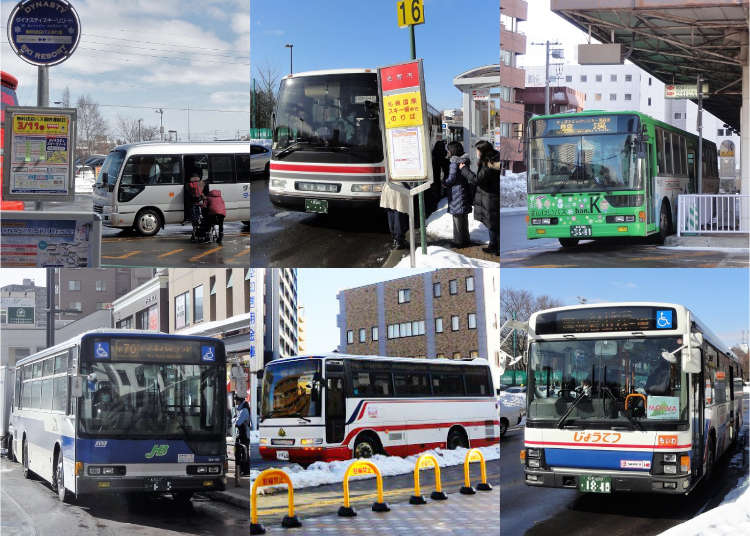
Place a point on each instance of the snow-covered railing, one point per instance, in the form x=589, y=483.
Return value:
x=712, y=213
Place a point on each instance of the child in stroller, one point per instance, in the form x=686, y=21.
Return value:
x=194, y=192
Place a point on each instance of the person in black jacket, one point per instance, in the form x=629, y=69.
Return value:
x=487, y=195
x=459, y=194
x=439, y=173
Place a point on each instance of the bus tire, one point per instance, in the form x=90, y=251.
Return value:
x=148, y=222
x=58, y=478
x=568, y=242
x=27, y=473
x=665, y=224
x=457, y=438
x=366, y=446
x=503, y=426
x=711, y=458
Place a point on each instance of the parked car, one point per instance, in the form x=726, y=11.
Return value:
x=260, y=161
x=512, y=408
x=516, y=389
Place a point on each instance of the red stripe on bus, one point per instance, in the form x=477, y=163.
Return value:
x=412, y=427
x=608, y=445
x=368, y=170
x=452, y=401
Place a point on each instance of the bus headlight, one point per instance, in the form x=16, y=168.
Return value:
x=108, y=470
x=670, y=458
x=670, y=469
x=533, y=453
x=534, y=462
x=544, y=221
x=311, y=441
x=278, y=183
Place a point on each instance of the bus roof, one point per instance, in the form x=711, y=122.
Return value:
x=477, y=361
x=707, y=333
x=106, y=332
x=331, y=71
x=156, y=147
x=8, y=80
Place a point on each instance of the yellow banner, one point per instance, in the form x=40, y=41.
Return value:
x=40, y=124
x=403, y=109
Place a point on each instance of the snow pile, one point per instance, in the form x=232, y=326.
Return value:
x=84, y=181
x=439, y=257
x=513, y=190
x=440, y=225
x=512, y=400
x=322, y=473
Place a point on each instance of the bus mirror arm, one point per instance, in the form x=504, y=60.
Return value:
x=259, y=374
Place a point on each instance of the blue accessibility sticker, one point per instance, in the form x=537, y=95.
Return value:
x=207, y=353
x=664, y=319
x=101, y=350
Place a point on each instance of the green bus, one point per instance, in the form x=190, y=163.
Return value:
x=598, y=174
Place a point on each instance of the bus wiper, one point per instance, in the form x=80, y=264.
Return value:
x=290, y=148
x=635, y=423
x=300, y=416
x=562, y=420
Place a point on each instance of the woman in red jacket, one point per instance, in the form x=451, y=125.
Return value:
x=216, y=211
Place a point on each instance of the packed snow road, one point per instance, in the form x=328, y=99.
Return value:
x=550, y=511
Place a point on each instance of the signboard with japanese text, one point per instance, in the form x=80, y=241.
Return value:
x=404, y=123
x=40, y=147
x=684, y=91
x=44, y=32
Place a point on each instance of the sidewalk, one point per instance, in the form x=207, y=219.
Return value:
x=709, y=241
x=472, y=252
x=238, y=496
x=459, y=515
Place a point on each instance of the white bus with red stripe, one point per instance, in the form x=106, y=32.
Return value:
x=637, y=396
x=338, y=407
x=327, y=143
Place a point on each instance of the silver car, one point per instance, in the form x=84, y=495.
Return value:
x=260, y=158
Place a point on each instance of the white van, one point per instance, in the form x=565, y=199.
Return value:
x=142, y=185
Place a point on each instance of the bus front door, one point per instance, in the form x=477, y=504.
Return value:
x=335, y=407
x=698, y=416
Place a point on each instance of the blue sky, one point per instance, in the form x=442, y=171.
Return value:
x=456, y=37
x=317, y=290
x=172, y=54
x=719, y=297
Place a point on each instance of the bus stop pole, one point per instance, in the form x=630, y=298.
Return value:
x=422, y=232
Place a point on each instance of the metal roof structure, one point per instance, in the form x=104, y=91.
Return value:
x=675, y=40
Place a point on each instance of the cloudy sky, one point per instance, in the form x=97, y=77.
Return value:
x=138, y=55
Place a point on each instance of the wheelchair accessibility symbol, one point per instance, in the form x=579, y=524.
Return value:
x=663, y=319
x=207, y=353
x=101, y=350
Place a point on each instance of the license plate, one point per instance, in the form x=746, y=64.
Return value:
x=595, y=484
x=579, y=231
x=158, y=484
x=319, y=206
x=282, y=455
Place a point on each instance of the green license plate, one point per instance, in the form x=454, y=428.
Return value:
x=319, y=206
x=595, y=484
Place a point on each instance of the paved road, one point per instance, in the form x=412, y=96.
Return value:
x=30, y=507
x=543, y=511
x=517, y=251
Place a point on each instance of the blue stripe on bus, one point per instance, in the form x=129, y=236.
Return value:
x=594, y=458
x=353, y=416
x=136, y=451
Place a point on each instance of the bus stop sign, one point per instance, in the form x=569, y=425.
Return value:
x=44, y=33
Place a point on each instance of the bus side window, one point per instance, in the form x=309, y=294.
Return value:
x=242, y=163
x=196, y=164
x=221, y=168
x=660, y=150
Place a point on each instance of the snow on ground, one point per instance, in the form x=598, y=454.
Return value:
x=513, y=190
x=439, y=257
x=322, y=473
x=440, y=225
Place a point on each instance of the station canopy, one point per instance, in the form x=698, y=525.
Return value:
x=478, y=78
x=674, y=41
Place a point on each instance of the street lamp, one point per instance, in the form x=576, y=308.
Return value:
x=291, y=49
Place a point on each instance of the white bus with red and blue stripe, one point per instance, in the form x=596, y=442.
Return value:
x=327, y=143
x=636, y=396
x=339, y=407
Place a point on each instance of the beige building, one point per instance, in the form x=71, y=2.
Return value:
x=200, y=296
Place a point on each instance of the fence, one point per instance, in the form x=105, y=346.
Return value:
x=265, y=133
x=712, y=213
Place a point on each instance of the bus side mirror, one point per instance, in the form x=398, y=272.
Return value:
x=691, y=359
x=76, y=386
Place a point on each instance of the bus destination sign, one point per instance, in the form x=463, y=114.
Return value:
x=584, y=125
x=607, y=319
x=136, y=349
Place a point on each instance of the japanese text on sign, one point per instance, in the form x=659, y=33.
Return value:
x=403, y=109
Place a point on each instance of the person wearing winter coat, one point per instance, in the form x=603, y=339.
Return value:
x=242, y=427
x=487, y=195
x=439, y=173
x=194, y=198
x=396, y=205
x=216, y=211
x=459, y=194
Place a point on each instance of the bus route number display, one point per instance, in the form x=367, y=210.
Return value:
x=158, y=349
x=597, y=320
x=575, y=126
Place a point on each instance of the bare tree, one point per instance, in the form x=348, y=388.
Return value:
x=129, y=131
x=66, y=98
x=520, y=304
x=744, y=358
x=92, y=128
x=266, y=91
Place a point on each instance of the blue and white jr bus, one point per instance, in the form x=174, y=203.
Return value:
x=125, y=411
x=637, y=396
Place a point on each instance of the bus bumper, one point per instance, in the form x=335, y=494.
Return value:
x=638, y=483
x=115, y=219
x=297, y=202
x=308, y=454
x=87, y=485
x=598, y=230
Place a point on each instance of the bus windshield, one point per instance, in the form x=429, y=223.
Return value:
x=334, y=116
x=615, y=382
x=110, y=169
x=151, y=399
x=602, y=162
x=291, y=389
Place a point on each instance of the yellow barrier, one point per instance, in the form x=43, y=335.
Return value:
x=362, y=467
x=425, y=461
x=474, y=455
x=272, y=477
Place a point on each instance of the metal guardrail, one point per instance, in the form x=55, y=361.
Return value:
x=712, y=213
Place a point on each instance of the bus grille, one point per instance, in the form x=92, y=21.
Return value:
x=98, y=209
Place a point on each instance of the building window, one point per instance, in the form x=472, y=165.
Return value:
x=181, y=314
x=101, y=286
x=362, y=335
x=438, y=325
x=350, y=337
x=436, y=291
x=719, y=132
x=125, y=323
x=628, y=77
x=613, y=96
x=583, y=78
x=598, y=78
x=374, y=332
x=649, y=80
x=102, y=305
x=75, y=305
x=454, y=323
x=74, y=285
x=568, y=78
x=597, y=96
x=649, y=100
x=404, y=295
x=3, y=317
x=198, y=303
x=613, y=78
x=470, y=284
x=628, y=96
x=417, y=327
x=472, y=320
x=453, y=286
x=456, y=355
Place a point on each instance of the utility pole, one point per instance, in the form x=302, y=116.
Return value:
x=700, y=134
x=291, y=50
x=160, y=111
x=546, y=45
x=140, y=137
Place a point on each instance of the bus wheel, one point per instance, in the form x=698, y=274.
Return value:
x=58, y=480
x=503, y=426
x=182, y=498
x=365, y=446
x=664, y=225
x=457, y=438
x=568, y=242
x=25, y=460
x=711, y=459
x=147, y=222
